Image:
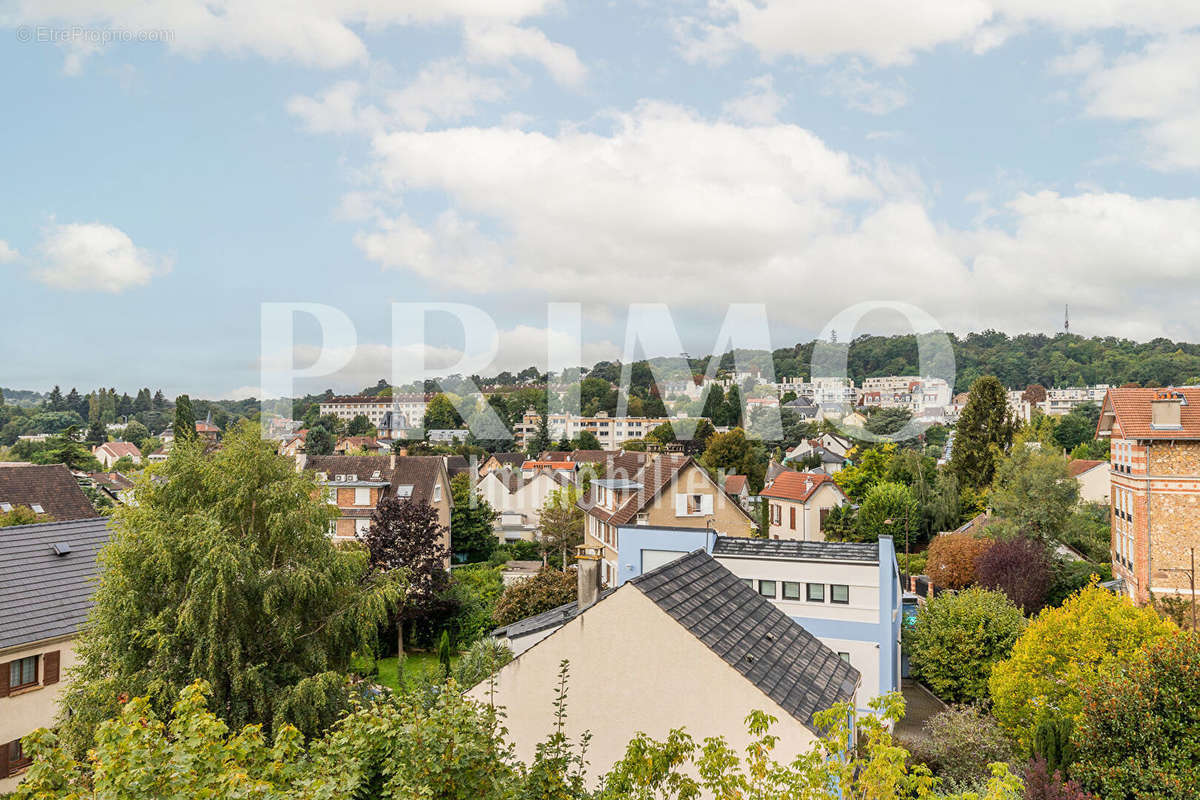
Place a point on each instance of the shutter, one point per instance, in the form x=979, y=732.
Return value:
x=792, y=512
x=4, y=748
x=4, y=672
x=50, y=668
x=681, y=505
x=706, y=504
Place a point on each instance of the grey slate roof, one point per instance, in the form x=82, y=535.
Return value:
x=554, y=618
x=769, y=649
x=865, y=552
x=43, y=595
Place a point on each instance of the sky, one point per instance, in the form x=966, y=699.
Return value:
x=170, y=167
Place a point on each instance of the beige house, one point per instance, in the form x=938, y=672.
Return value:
x=665, y=490
x=110, y=453
x=355, y=484
x=1093, y=478
x=797, y=504
x=518, y=499
x=688, y=645
x=45, y=589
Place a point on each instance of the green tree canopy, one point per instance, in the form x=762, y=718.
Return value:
x=733, y=453
x=471, y=519
x=223, y=571
x=560, y=524
x=889, y=510
x=185, y=421
x=959, y=638
x=983, y=428
x=1034, y=492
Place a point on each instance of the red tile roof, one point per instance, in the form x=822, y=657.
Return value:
x=1078, y=466
x=1131, y=410
x=734, y=484
x=120, y=449
x=797, y=486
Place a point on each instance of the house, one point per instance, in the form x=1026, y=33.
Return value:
x=114, y=484
x=518, y=497
x=803, y=407
x=516, y=571
x=48, y=490
x=348, y=445
x=687, y=645
x=830, y=442
x=447, y=435
x=159, y=455
x=847, y=594
x=798, y=503
x=500, y=461
x=46, y=583
x=653, y=489
x=290, y=446
x=549, y=461
x=458, y=465
x=1093, y=479
x=737, y=487
x=110, y=452
x=1154, y=491
x=207, y=431
x=356, y=484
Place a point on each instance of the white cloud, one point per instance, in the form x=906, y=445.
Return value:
x=892, y=32
x=500, y=43
x=443, y=91
x=1159, y=86
x=866, y=94
x=7, y=253
x=767, y=211
x=95, y=257
x=760, y=104
x=321, y=34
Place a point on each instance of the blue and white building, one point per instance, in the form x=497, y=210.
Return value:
x=847, y=594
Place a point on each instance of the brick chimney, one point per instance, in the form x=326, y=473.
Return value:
x=587, y=563
x=1166, y=409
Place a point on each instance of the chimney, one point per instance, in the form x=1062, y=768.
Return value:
x=1166, y=409
x=587, y=564
x=392, y=460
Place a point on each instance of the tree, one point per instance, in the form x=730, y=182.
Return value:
x=889, y=510
x=714, y=404
x=871, y=465
x=1044, y=783
x=961, y=743
x=54, y=402
x=587, y=441
x=952, y=558
x=135, y=432
x=1064, y=650
x=223, y=571
x=733, y=453
x=984, y=425
x=443, y=653
x=1137, y=731
x=1034, y=491
x=548, y=589
x=1034, y=393
x=958, y=639
x=359, y=426
x=185, y=422
x=97, y=434
x=1077, y=427
x=471, y=520
x=318, y=441
x=732, y=414
x=1021, y=568
x=560, y=524
x=540, y=442
x=440, y=414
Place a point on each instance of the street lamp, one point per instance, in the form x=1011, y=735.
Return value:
x=1191, y=573
x=888, y=522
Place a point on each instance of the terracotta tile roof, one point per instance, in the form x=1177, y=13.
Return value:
x=206, y=427
x=797, y=486
x=548, y=464
x=734, y=484
x=1078, y=466
x=1131, y=409
x=52, y=487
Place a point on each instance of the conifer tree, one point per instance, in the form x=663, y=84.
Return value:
x=185, y=421
x=985, y=423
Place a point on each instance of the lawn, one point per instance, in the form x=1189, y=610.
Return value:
x=416, y=665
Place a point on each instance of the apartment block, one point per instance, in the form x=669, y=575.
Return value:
x=395, y=413
x=611, y=431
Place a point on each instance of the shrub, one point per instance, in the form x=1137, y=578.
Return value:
x=960, y=743
x=480, y=661
x=1071, y=576
x=1065, y=649
x=952, y=557
x=1137, y=735
x=1043, y=784
x=1021, y=568
x=541, y=592
x=957, y=638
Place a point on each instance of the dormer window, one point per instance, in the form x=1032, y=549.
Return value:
x=37, y=508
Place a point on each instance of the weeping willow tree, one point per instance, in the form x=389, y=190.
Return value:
x=222, y=571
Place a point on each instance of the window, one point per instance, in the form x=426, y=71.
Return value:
x=844, y=657
x=437, y=493
x=643, y=518
x=695, y=503
x=816, y=593
x=5, y=507
x=839, y=593
x=767, y=588
x=749, y=582
x=362, y=497
x=37, y=509
x=331, y=496
x=22, y=673
x=791, y=590
x=361, y=526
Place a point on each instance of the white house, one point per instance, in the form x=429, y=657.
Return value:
x=1093, y=478
x=797, y=504
x=111, y=452
x=518, y=498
